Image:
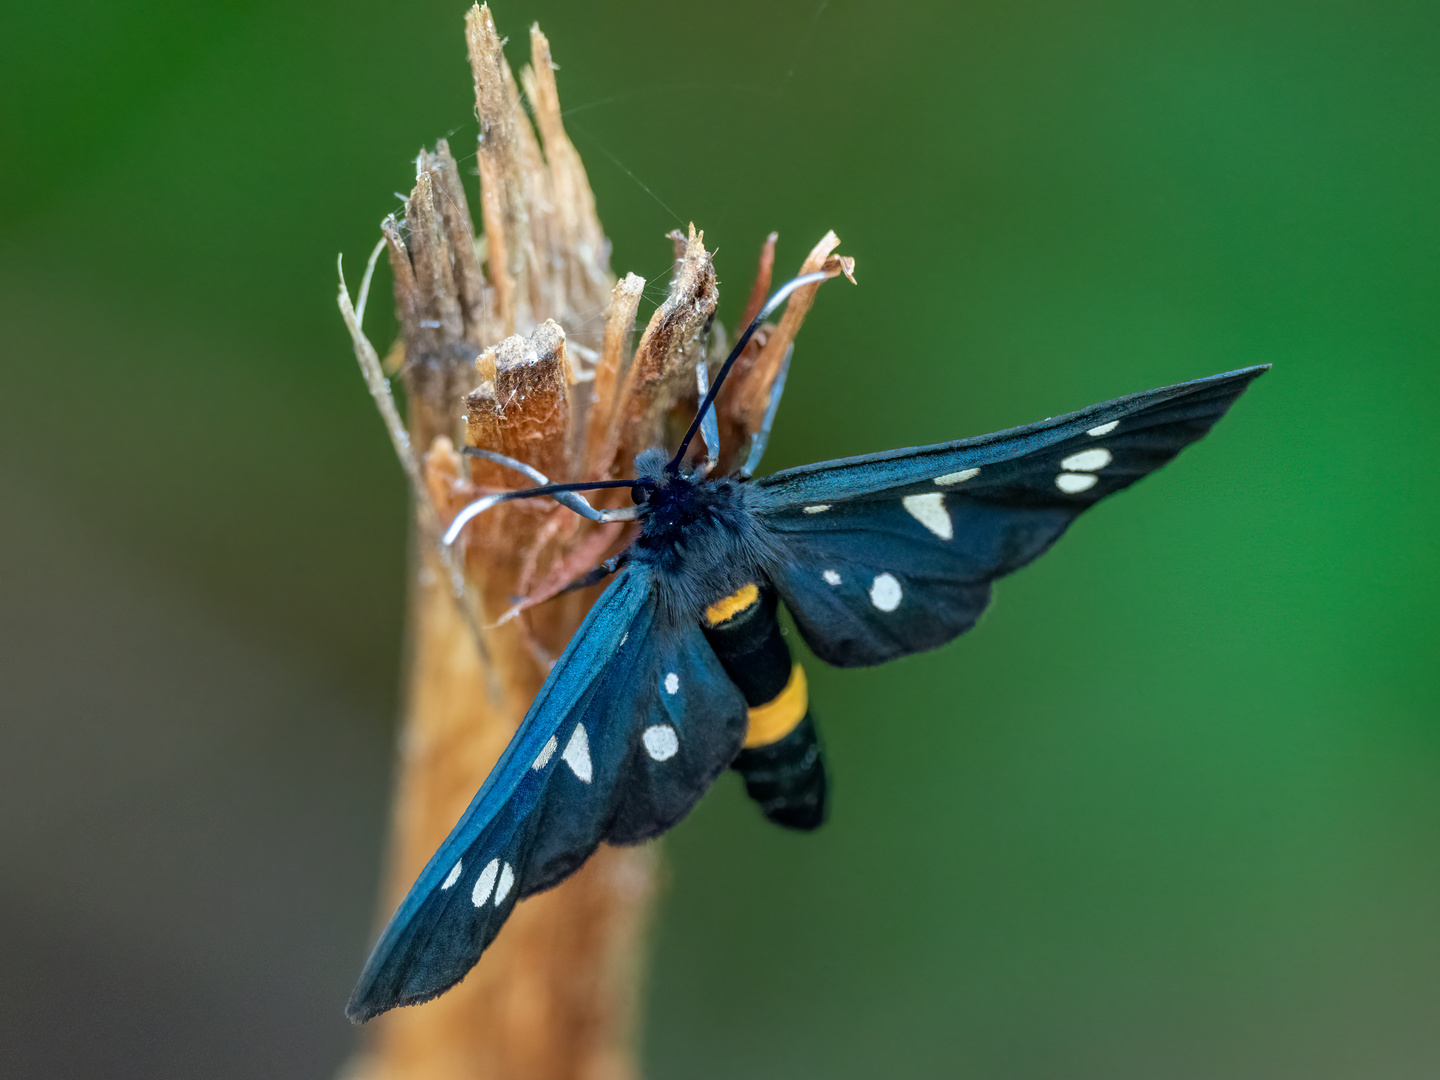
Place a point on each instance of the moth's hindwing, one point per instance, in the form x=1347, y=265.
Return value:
x=893, y=553
x=634, y=722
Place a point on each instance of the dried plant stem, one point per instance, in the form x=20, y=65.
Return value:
x=492, y=332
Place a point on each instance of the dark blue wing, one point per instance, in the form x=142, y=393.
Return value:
x=635, y=720
x=892, y=553
x=665, y=720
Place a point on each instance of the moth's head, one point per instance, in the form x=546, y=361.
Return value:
x=651, y=474
x=650, y=466
x=665, y=496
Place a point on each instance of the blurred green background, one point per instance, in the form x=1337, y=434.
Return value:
x=1170, y=811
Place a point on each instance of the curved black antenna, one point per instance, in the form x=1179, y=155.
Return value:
x=479, y=506
x=565, y=497
x=781, y=295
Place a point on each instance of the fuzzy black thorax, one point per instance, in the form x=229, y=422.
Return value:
x=699, y=535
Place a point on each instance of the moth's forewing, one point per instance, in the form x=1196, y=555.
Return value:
x=450, y=915
x=892, y=553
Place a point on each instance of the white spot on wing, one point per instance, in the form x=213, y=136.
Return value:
x=929, y=510
x=577, y=754
x=956, y=477
x=484, y=883
x=546, y=753
x=885, y=592
x=672, y=683
x=661, y=742
x=1087, y=460
x=819, y=508
x=507, y=879
x=831, y=577
x=1072, y=483
x=453, y=876
x=1103, y=429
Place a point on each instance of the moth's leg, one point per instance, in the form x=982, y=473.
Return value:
x=595, y=576
x=709, y=425
x=555, y=581
x=780, y=761
x=757, y=444
x=567, y=495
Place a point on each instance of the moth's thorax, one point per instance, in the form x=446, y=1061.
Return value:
x=680, y=510
x=699, y=537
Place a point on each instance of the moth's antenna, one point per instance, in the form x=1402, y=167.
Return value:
x=777, y=388
x=564, y=494
x=781, y=295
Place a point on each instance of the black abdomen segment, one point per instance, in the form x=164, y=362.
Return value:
x=780, y=762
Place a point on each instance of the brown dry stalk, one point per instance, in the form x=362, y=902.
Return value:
x=504, y=347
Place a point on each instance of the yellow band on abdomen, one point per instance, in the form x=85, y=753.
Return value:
x=775, y=719
x=729, y=606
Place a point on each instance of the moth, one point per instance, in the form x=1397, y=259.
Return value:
x=680, y=670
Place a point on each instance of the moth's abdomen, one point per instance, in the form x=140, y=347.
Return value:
x=780, y=762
